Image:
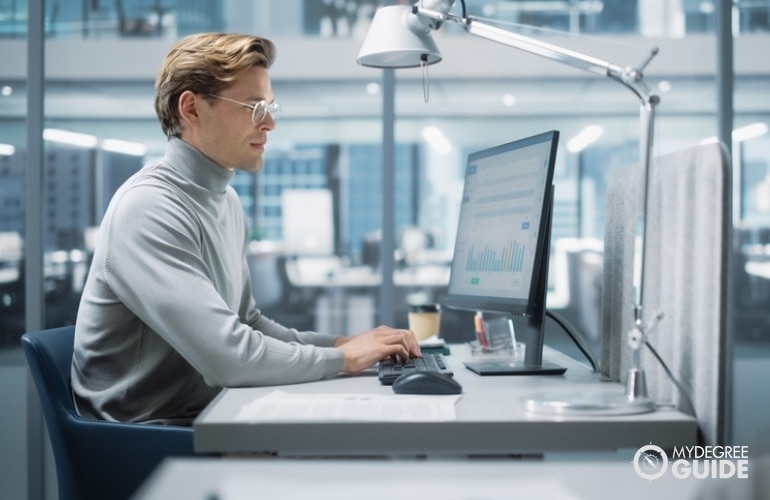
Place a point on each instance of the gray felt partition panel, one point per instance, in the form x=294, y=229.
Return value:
x=685, y=278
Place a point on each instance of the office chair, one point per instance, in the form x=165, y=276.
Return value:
x=95, y=459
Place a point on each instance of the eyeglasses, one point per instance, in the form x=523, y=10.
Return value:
x=259, y=110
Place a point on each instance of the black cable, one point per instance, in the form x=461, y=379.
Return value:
x=583, y=346
x=576, y=337
x=682, y=390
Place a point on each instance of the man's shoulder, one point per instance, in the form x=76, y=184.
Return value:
x=151, y=182
x=149, y=196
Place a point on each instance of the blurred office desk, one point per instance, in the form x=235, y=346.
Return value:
x=562, y=479
x=760, y=269
x=328, y=272
x=490, y=419
x=347, y=294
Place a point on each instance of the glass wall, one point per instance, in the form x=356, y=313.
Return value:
x=101, y=127
x=481, y=95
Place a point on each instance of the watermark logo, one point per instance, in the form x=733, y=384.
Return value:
x=650, y=462
x=700, y=462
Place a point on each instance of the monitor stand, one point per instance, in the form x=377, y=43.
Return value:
x=505, y=367
x=534, y=331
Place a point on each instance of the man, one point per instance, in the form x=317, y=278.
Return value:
x=167, y=317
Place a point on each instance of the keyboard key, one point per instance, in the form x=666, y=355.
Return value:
x=391, y=369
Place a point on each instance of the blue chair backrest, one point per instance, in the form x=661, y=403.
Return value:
x=95, y=459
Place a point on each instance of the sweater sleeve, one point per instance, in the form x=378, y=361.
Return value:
x=253, y=317
x=156, y=266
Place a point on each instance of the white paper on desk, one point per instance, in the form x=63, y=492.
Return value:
x=433, y=341
x=283, y=406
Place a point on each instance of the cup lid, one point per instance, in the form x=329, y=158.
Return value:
x=424, y=307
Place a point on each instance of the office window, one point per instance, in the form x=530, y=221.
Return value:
x=349, y=18
x=362, y=188
x=304, y=166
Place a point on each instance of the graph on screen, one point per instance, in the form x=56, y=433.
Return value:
x=510, y=258
x=500, y=263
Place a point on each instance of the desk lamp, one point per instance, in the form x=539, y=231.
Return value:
x=400, y=37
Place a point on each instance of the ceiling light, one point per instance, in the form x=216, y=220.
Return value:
x=6, y=150
x=509, y=100
x=583, y=139
x=373, y=88
x=749, y=132
x=437, y=140
x=706, y=7
x=71, y=138
x=124, y=147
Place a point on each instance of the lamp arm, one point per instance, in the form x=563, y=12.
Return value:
x=630, y=77
x=647, y=120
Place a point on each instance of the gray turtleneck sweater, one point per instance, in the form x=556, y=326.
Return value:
x=167, y=317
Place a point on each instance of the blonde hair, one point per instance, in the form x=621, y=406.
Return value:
x=205, y=63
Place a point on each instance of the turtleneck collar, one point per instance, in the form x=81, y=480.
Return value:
x=196, y=166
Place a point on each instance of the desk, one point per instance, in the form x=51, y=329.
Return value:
x=562, y=479
x=760, y=269
x=490, y=420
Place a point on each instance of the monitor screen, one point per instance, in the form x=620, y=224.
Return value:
x=500, y=261
x=504, y=220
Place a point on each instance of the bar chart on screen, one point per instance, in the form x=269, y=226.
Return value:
x=508, y=258
x=501, y=205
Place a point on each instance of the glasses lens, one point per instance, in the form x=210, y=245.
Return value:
x=275, y=110
x=262, y=108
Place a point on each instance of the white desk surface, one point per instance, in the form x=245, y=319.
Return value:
x=490, y=420
x=570, y=479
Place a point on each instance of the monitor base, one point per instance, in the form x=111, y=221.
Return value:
x=510, y=367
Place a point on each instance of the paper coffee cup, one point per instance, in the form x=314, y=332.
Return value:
x=424, y=320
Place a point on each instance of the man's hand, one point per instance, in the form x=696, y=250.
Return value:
x=369, y=347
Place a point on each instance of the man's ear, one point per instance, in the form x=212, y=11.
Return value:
x=188, y=107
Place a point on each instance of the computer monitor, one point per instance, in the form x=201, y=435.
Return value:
x=500, y=261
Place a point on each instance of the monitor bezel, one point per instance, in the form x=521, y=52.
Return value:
x=534, y=303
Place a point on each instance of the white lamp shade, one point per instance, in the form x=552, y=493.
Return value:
x=394, y=42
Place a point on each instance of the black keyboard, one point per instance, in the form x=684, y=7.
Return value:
x=391, y=369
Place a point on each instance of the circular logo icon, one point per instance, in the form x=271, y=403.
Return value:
x=650, y=462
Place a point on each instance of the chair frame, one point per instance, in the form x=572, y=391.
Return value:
x=94, y=458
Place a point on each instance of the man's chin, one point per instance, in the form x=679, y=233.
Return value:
x=255, y=167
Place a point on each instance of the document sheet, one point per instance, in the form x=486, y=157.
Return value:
x=284, y=406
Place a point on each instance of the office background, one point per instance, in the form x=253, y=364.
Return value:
x=100, y=62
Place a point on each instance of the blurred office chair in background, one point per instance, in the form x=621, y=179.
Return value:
x=685, y=278
x=370, y=249
x=95, y=459
x=276, y=295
